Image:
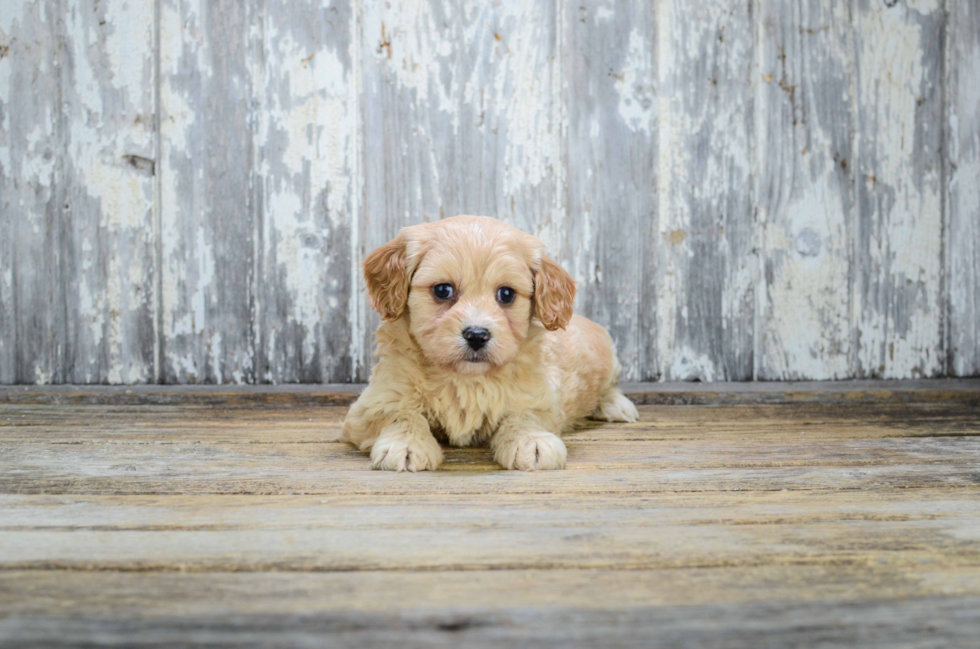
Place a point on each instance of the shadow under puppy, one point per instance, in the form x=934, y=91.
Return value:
x=478, y=344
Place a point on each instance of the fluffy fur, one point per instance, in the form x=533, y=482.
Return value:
x=542, y=371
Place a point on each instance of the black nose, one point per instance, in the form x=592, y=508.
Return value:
x=476, y=337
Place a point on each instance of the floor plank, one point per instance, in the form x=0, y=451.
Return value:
x=737, y=524
x=916, y=622
x=298, y=534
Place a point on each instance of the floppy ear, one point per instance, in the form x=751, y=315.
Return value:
x=387, y=275
x=554, y=294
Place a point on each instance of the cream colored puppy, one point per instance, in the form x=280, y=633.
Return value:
x=478, y=344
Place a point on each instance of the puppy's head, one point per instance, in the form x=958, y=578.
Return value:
x=471, y=288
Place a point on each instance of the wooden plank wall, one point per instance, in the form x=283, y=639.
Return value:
x=963, y=178
x=743, y=190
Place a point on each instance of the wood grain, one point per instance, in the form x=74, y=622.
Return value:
x=206, y=211
x=314, y=423
x=804, y=196
x=747, y=190
x=306, y=136
x=108, y=87
x=705, y=267
x=77, y=168
x=816, y=523
x=214, y=597
x=34, y=336
x=960, y=391
x=396, y=533
x=962, y=65
x=909, y=622
x=610, y=69
x=898, y=240
x=749, y=448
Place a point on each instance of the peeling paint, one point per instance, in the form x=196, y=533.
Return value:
x=636, y=102
x=689, y=365
x=739, y=193
x=703, y=172
x=206, y=219
x=804, y=199
x=305, y=141
x=963, y=187
x=30, y=195
x=900, y=224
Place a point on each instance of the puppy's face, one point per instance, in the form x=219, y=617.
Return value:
x=471, y=289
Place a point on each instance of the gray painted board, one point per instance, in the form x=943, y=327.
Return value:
x=742, y=190
x=706, y=266
x=33, y=343
x=804, y=189
x=304, y=191
x=76, y=167
x=898, y=225
x=611, y=175
x=963, y=181
x=207, y=227
x=107, y=94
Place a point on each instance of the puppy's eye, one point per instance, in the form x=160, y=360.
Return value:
x=443, y=291
x=506, y=295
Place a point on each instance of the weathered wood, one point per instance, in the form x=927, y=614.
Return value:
x=743, y=190
x=270, y=470
x=76, y=278
x=804, y=127
x=34, y=276
x=941, y=620
x=899, y=225
x=306, y=142
x=341, y=596
x=963, y=182
x=108, y=88
x=392, y=533
x=781, y=510
x=812, y=523
x=742, y=424
x=610, y=71
x=207, y=215
x=761, y=448
x=305, y=459
x=461, y=116
x=491, y=546
x=705, y=262
x=325, y=395
x=887, y=624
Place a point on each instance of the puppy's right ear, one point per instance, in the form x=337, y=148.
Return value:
x=554, y=294
x=386, y=272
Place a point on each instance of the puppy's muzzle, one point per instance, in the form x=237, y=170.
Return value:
x=476, y=337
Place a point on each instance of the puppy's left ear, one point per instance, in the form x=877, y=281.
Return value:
x=554, y=294
x=387, y=276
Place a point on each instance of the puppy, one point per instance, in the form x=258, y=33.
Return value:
x=478, y=345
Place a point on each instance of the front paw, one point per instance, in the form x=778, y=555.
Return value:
x=534, y=451
x=403, y=451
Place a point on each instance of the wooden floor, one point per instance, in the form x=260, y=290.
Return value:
x=765, y=517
